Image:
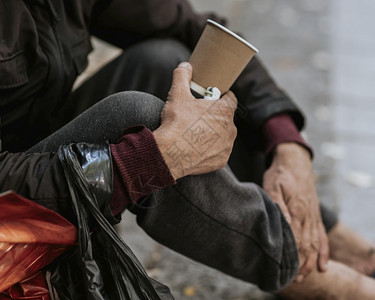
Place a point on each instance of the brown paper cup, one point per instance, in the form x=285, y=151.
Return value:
x=218, y=58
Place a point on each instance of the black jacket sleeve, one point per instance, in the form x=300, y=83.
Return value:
x=122, y=20
x=38, y=177
x=128, y=21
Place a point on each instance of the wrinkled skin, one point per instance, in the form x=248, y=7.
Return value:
x=290, y=183
x=196, y=136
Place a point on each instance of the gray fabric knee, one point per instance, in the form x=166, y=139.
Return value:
x=106, y=121
x=130, y=108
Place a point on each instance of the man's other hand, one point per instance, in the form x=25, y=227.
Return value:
x=196, y=136
x=290, y=183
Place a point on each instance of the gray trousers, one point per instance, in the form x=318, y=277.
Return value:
x=214, y=218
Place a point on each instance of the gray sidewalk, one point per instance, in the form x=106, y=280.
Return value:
x=353, y=90
x=323, y=54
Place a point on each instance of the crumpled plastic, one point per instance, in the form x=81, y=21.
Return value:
x=103, y=267
x=31, y=237
x=31, y=288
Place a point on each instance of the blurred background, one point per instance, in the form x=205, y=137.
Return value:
x=321, y=52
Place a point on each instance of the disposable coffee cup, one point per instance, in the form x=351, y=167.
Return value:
x=219, y=58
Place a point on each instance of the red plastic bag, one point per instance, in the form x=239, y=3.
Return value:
x=32, y=288
x=31, y=237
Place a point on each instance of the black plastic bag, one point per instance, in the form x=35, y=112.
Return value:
x=102, y=266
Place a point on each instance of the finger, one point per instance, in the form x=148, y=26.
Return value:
x=324, y=249
x=181, y=81
x=230, y=100
x=315, y=237
x=310, y=244
x=298, y=231
x=280, y=201
x=276, y=195
x=307, y=267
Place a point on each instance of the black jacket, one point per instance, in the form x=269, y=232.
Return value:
x=43, y=48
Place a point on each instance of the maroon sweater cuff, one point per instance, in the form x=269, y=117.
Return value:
x=138, y=168
x=281, y=129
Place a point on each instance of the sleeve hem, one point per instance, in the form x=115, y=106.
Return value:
x=139, y=168
x=281, y=129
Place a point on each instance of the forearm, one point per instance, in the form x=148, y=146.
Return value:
x=137, y=165
x=260, y=99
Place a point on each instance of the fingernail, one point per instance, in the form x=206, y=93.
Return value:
x=299, y=278
x=184, y=65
